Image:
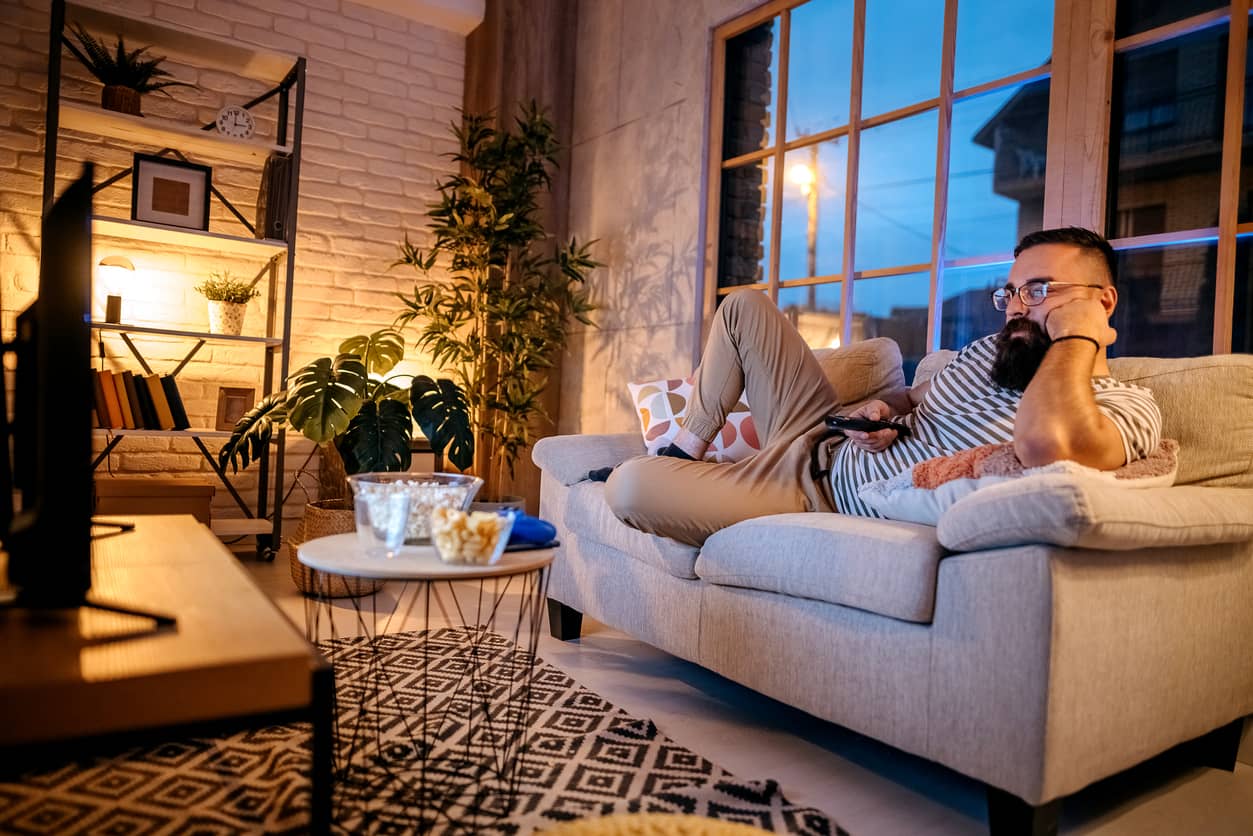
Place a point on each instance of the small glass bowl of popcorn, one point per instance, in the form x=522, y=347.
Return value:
x=477, y=538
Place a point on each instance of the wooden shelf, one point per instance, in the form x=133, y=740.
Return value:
x=241, y=527
x=184, y=45
x=167, y=433
x=169, y=332
x=179, y=238
x=148, y=131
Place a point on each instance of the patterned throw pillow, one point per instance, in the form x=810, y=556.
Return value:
x=662, y=406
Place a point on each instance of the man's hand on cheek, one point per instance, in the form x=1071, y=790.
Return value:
x=1080, y=317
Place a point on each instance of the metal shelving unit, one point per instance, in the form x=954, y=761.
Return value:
x=286, y=74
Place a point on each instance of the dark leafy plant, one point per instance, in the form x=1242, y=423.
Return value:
x=119, y=67
x=343, y=401
x=498, y=320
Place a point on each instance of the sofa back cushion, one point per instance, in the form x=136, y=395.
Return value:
x=1207, y=405
x=862, y=371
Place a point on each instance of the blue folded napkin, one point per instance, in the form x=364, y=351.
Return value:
x=530, y=531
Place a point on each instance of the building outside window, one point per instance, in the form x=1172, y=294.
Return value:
x=875, y=161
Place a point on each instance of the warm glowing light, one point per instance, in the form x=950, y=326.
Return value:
x=803, y=176
x=835, y=342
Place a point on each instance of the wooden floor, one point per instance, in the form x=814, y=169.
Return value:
x=869, y=788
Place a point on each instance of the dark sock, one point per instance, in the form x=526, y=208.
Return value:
x=675, y=452
x=600, y=474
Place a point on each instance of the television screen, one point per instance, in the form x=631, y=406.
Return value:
x=48, y=535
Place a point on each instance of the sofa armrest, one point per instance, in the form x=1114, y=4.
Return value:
x=568, y=458
x=1093, y=514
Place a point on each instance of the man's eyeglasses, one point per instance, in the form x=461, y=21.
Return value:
x=1031, y=293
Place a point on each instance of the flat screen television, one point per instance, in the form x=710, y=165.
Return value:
x=48, y=531
x=47, y=528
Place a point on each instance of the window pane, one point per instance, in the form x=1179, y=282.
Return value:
x=815, y=311
x=820, y=51
x=996, y=171
x=896, y=307
x=1167, y=135
x=744, y=226
x=966, y=313
x=903, y=43
x=1165, y=301
x=996, y=39
x=1142, y=15
x=812, y=243
x=1242, y=316
x=752, y=90
x=896, y=193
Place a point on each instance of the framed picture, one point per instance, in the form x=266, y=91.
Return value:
x=170, y=192
x=233, y=402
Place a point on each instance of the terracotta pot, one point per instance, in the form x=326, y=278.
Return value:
x=122, y=99
x=323, y=518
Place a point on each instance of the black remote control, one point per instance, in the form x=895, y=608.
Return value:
x=843, y=422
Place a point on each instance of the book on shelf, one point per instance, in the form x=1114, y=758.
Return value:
x=124, y=401
x=112, y=407
x=132, y=395
x=146, y=407
x=97, y=393
x=175, y=400
x=165, y=418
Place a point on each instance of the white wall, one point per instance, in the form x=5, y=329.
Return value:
x=640, y=105
x=382, y=91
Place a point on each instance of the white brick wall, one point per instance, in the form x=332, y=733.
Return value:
x=381, y=92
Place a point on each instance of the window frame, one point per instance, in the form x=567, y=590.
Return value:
x=1077, y=149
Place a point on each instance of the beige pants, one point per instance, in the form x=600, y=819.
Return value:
x=752, y=349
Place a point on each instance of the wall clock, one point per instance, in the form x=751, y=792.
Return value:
x=235, y=121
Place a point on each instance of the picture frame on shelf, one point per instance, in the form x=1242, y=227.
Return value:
x=233, y=402
x=170, y=192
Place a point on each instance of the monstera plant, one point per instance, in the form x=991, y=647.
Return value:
x=345, y=403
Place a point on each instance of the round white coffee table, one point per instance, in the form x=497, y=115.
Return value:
x=433, y=682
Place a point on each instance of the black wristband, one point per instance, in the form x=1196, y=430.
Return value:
x=1079, y=337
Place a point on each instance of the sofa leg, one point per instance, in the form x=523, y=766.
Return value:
x=1218, y=749
x=564, y=623
x=1009, y=815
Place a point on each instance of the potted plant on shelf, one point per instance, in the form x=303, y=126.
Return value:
x=359, y=419
x=498, y=321
x=126, y=75
x=228, y=302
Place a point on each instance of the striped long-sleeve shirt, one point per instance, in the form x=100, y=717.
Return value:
x=965, y=409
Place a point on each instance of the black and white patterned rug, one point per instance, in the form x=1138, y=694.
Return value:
x=583, y=757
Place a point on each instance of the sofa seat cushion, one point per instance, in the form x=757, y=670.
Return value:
x=881, y=566
x=588, y=517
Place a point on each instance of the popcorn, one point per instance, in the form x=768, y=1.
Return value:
x=467, y=538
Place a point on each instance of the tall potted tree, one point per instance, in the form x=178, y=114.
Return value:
x=496, y=322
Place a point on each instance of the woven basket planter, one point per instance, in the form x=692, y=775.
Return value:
x=322, y=518
x=119, y=98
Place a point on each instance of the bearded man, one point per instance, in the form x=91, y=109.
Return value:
x=1042, y=383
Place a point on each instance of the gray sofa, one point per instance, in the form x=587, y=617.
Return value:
x=1035, y=641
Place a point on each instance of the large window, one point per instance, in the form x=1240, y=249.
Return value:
x=875, y=162
x=870, y=148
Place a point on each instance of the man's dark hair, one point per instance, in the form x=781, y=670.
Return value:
x=1076, y=236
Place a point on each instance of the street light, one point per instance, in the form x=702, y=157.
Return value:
x=805, y=175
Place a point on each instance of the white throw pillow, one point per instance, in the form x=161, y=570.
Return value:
x=898, y=499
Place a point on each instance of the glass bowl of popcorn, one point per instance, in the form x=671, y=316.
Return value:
x=427, y=491
x=477, y=538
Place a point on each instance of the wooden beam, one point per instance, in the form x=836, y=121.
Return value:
x=939, y=223
x=850, y=180
x=1229, y=191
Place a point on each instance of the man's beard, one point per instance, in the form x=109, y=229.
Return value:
x=1020, y=349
